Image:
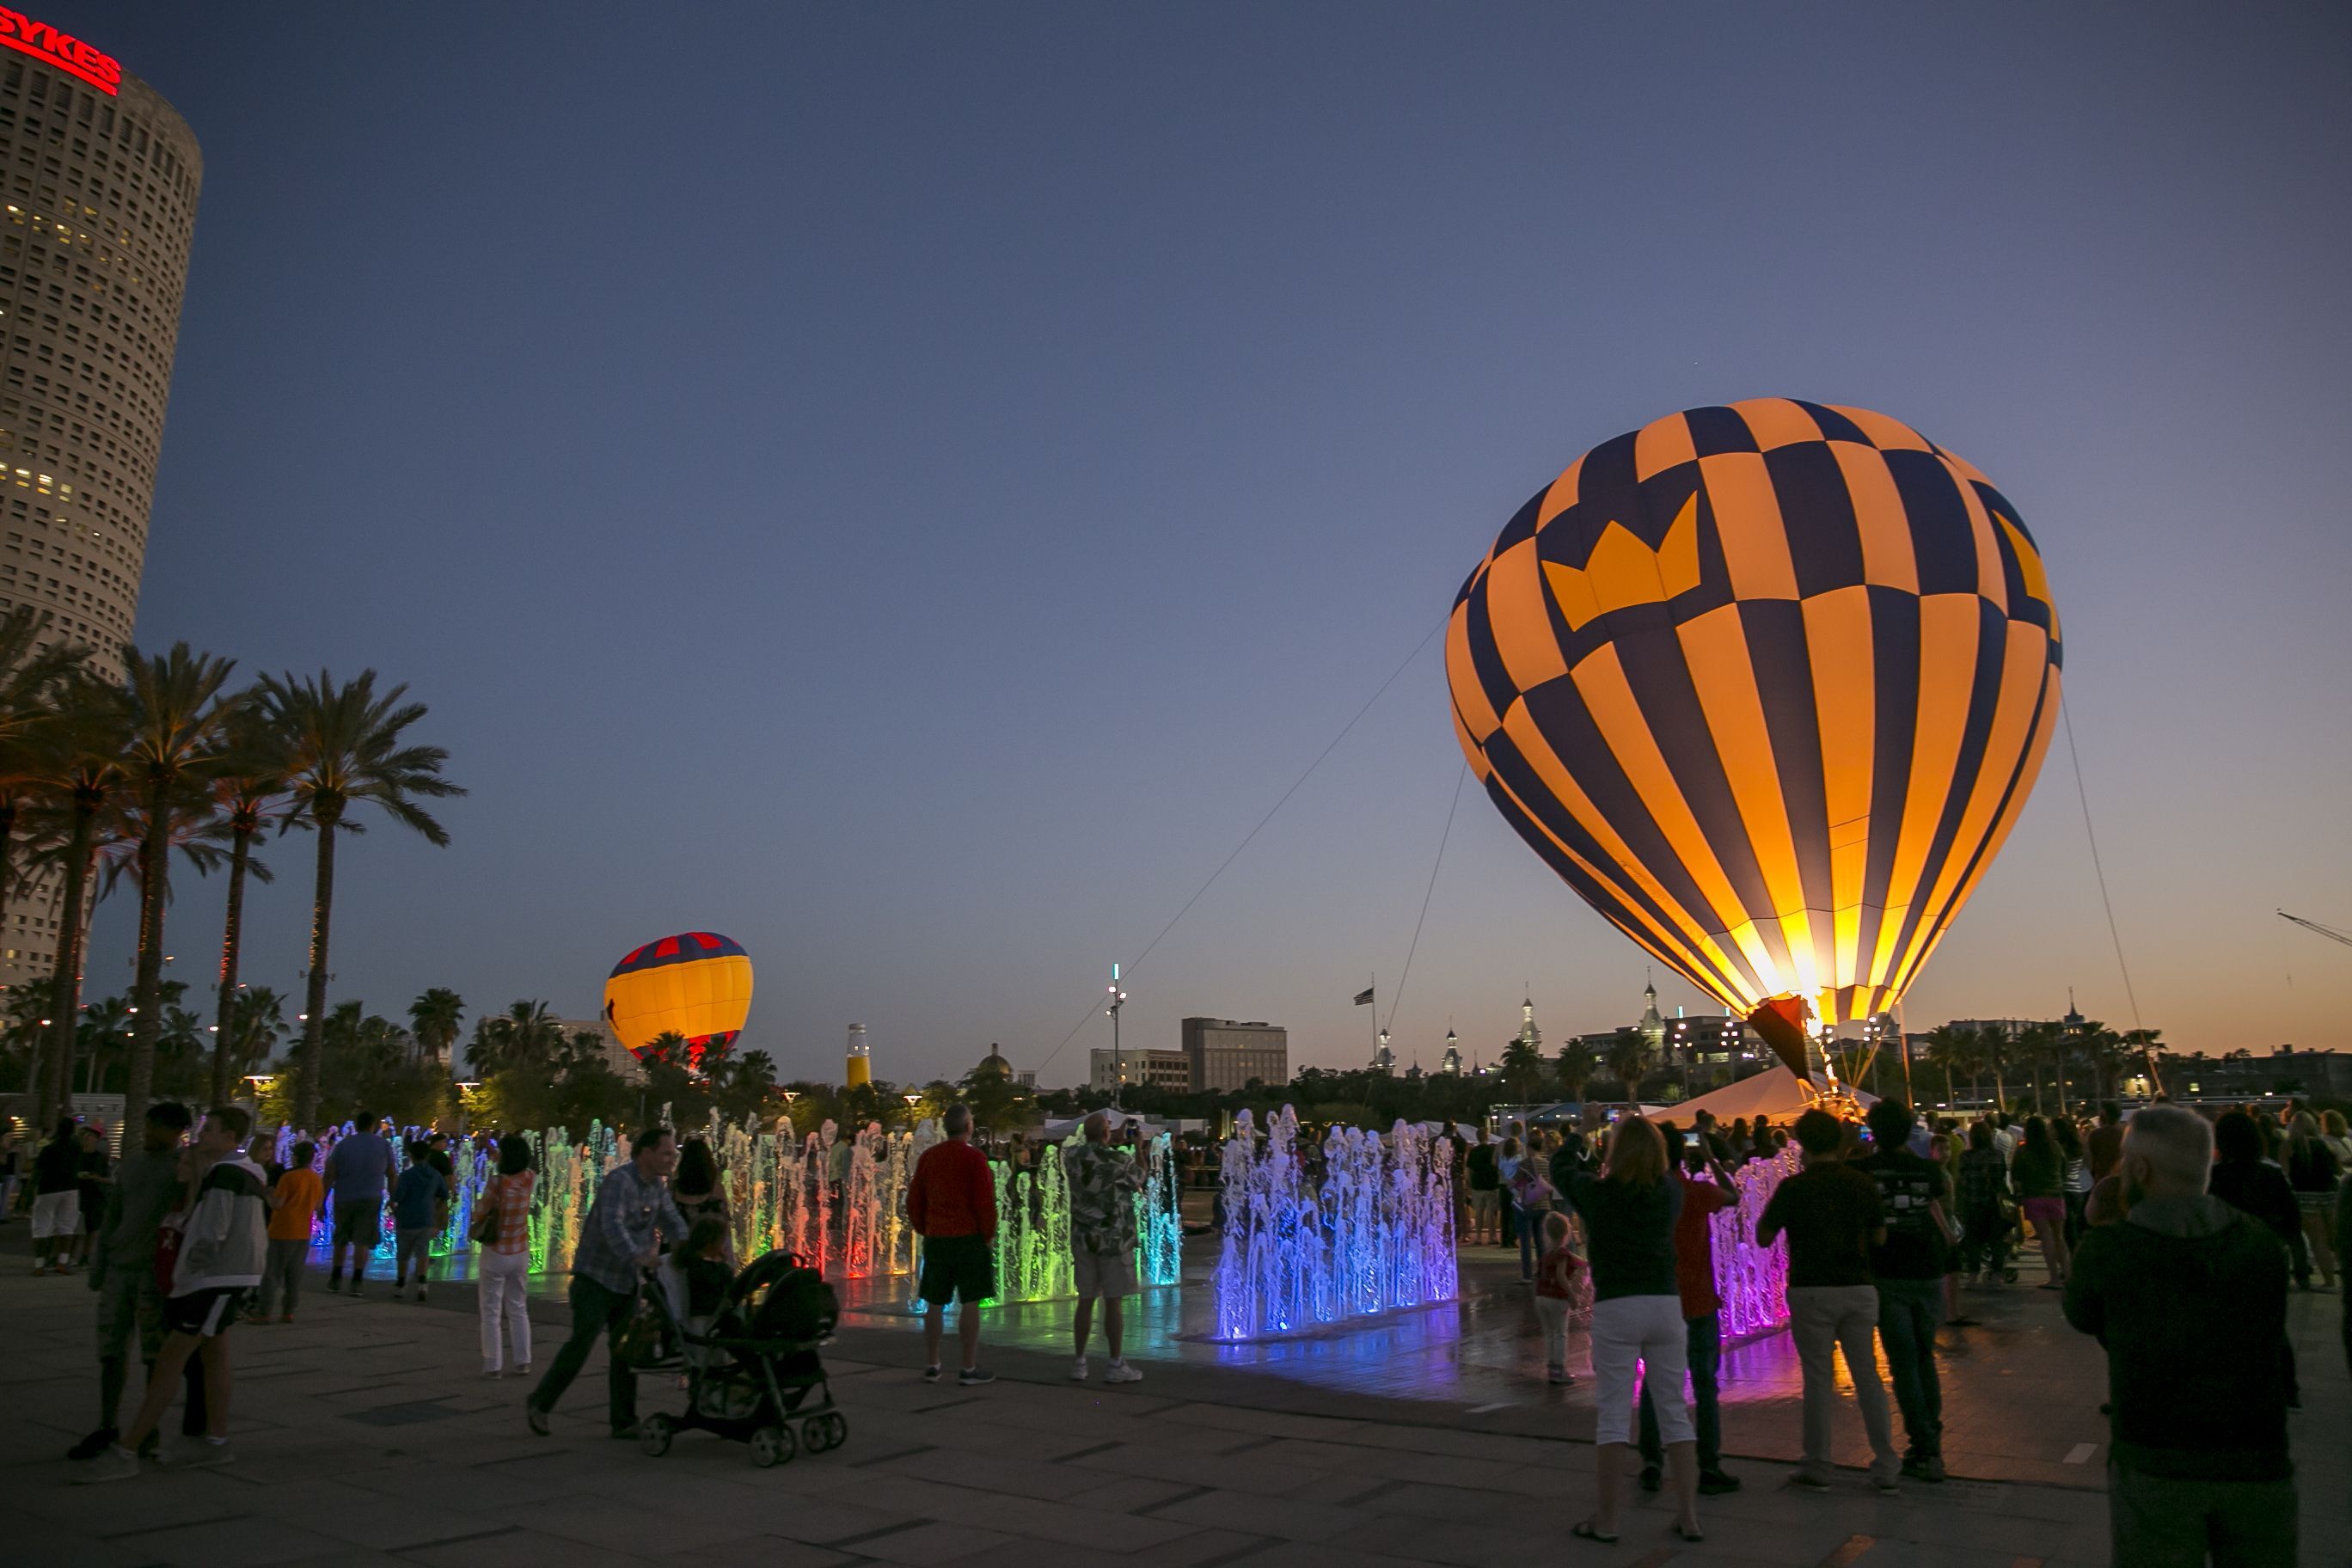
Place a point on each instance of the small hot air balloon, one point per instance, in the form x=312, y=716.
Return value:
x=1768, y=684
x=697, y=984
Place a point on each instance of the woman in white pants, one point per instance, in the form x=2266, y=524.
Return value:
x=502, y=1266
x=1629, y=1212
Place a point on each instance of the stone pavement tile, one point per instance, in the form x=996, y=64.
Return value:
x=156, y=1498
x=453, y=1487
x=518, y=1549
x=1234, y=1474
x=1271, y=1423
x=362, y=1517
x=1283, y=1518
x=932, y=1542
x=1018, y=1474
x=642, y=1523
x=1320, y=1554
x=824, y=1521
x=756, y=1551
x=1395, y=1464
x=1128, y=1494
x=224, y=1543
x=1463, y=1505
x=40, y=1541
x=1506, y=1450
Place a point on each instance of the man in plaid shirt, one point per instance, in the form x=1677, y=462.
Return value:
x=616, y=1247
x=1984, y=1230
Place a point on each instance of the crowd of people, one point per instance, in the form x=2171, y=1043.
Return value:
x=2171, y=1238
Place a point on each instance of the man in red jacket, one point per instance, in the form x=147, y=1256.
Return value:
x=951, y=1203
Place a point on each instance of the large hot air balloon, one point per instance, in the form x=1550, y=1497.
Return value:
x=1767, y=684
x=697, y=984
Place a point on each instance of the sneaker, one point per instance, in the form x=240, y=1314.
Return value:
x=492, y=1373
x=1559, y=1377
x=1885, y=1486
x=931, y=1373
x=420, y=1295
x=117, y=1464
x=1804, y=1481
x=1925, y=1467
x=1079, y=1370
x=201, y=1454
x=335, y=1281
x=1121, y=1373
x=285, y=1317
x=523, y=1371
x=91, y=1446
x=1650, y=1477
x=1714, y=1483
x=972, y=1377
x=534, y=1417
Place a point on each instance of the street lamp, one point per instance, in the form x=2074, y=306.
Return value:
x=1118, y=1062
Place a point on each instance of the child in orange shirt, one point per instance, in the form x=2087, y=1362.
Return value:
x=293, y=1202
x=1557, y=1285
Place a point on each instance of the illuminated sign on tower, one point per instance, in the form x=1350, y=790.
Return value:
x=68, y=54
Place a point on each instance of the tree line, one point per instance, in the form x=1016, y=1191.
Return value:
x=105, y=780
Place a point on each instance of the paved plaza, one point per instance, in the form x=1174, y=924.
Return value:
x=366, y=1437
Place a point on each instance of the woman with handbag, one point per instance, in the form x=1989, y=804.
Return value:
x=502, y=1266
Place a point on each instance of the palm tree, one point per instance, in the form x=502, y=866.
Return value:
x=526, y=1034
x=1954, y=1051
x=257, y=1021
x=343, y=748
x=435, y=1016
x=178, y=724
x=30, y=676
x=1627, y=1052
x=85, y=776
x=1575, y=1069
x=2102, y=1050
x=249, y=784
x=2035, y=1042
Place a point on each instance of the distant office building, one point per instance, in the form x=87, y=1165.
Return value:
x=2281, y=1070
x=1225, y=1055
x=1141, y=1066
x=99, y=177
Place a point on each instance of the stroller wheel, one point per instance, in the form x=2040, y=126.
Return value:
x=816, y=1436
x=837, y=1430
x=653, y=1433
x=772, y=1445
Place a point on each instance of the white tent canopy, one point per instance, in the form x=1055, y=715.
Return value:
x=1776, y=1092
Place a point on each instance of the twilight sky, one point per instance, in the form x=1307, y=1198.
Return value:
x=909, y=486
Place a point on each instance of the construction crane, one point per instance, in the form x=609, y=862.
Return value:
x=2328, y=931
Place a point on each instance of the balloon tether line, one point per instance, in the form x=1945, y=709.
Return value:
x=2066, y=716
x=1254, y=832
x=1397, y=1001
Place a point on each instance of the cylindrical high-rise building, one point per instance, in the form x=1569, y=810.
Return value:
x=858, y=1068
x=99, y=177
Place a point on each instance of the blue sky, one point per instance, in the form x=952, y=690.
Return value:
x=909, y=486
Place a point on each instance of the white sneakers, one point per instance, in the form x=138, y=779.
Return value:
x=1118, y=1372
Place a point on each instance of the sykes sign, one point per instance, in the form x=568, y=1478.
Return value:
x=69, y=55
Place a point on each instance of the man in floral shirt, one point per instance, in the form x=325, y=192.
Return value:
x=1103, y=1182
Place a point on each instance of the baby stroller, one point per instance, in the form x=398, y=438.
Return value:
x=752, y=1372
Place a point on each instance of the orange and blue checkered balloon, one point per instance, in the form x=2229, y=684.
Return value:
x=1768, y=684
x=697, y=984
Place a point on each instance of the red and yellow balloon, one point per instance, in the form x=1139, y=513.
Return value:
x=696, y=985
x=1767, y=684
